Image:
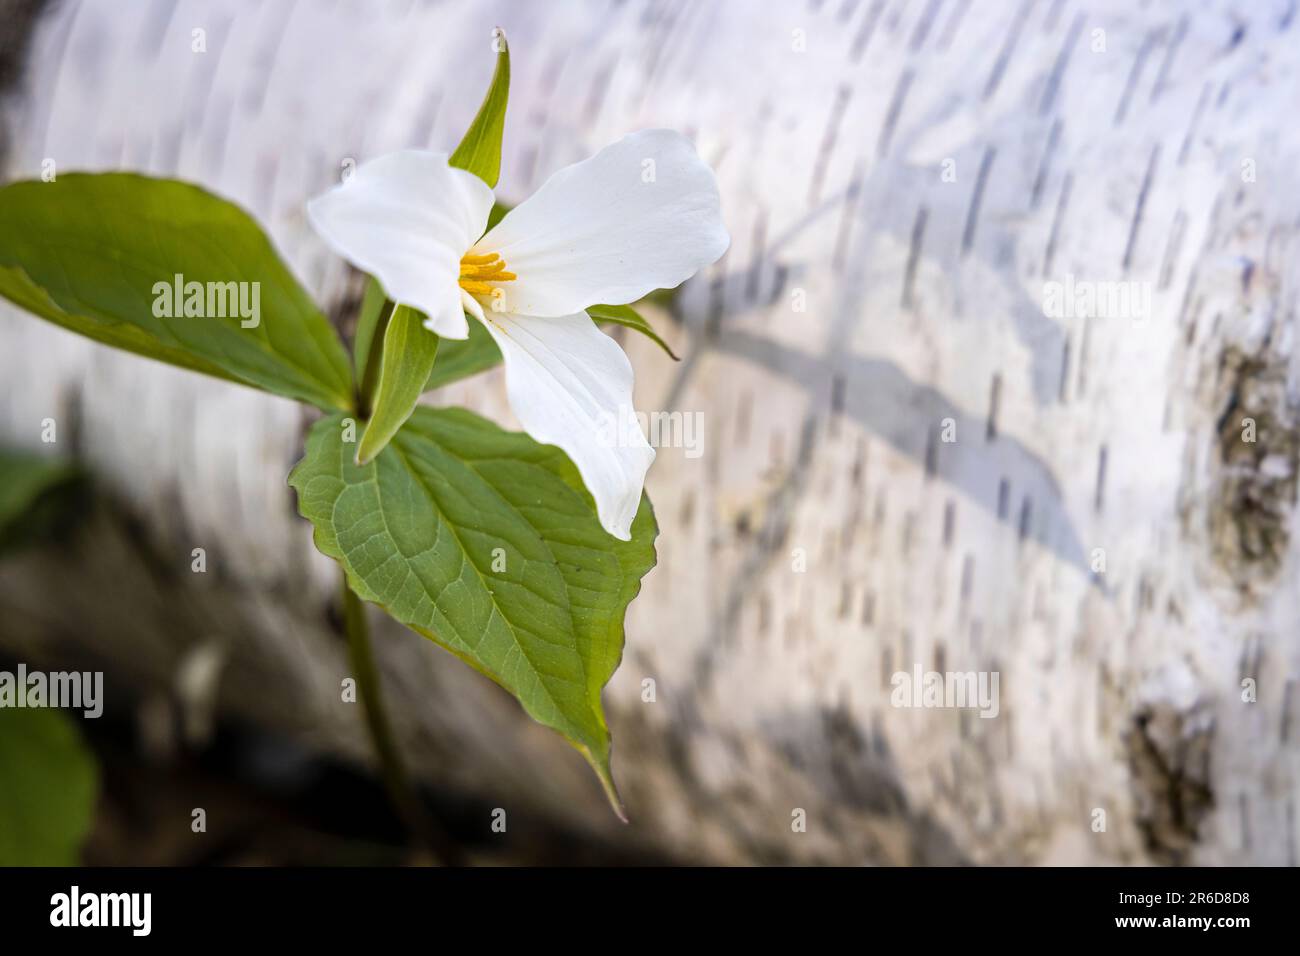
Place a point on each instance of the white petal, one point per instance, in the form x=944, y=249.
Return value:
x=407, y=218
x=599, y=232
x=471, y=305
x=570, y=385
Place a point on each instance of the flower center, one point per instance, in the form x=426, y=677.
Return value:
x=477, y=273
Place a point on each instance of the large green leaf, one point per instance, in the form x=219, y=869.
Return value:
x=48, y=784
x=479, y=151
x=408, y=354
x=488, y=543
x=94, y=252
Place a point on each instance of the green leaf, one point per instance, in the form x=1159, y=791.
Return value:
x=487, y=543
x=408, y=354
x=99, y=253
x=47, y=799
x=37, y=496
x=479, y=151
x=628, y=316
x=372, y=305
x=496, y=214
x=461, y=358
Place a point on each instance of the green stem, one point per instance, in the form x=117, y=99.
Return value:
x=396, y=779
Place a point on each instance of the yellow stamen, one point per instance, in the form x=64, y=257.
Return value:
x=484, y=270
x=477, y=272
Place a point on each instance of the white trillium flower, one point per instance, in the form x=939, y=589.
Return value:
x=597, y=232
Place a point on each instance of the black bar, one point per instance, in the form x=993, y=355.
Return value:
x=588, y=906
